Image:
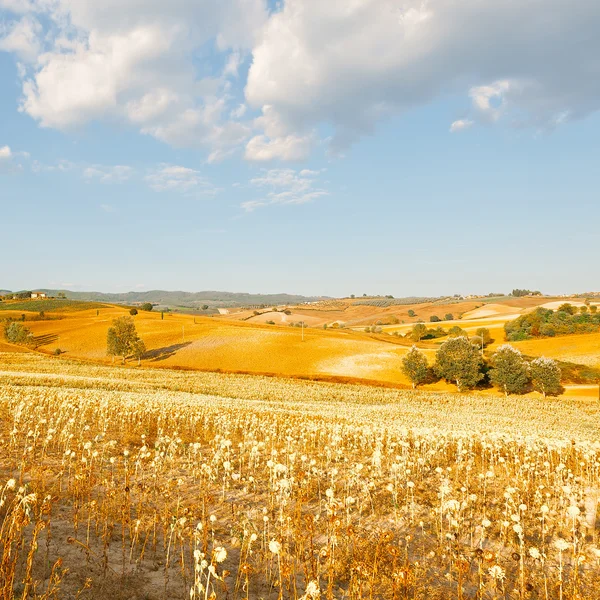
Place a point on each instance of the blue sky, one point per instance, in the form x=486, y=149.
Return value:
x=313, y=149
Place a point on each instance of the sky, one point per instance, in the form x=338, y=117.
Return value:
x=405, y=147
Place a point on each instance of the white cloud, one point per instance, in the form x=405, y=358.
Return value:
x=134, y=61
x=352, y=64
x=176, y=178
x=285, y=186
x=460, y=125
x=5, y=152
x=345, y=64
x=22, y=38
x=112, y=174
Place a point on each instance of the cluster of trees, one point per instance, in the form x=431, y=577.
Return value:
x=543, y=322
x=517, y=293
x=122, y=340
x=420, y=331
x=459, y=361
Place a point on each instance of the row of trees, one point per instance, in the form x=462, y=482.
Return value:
x=459, y=361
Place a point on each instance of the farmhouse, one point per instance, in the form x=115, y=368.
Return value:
x=38, y=295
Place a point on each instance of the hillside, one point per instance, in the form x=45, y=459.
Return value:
x=227, y=344
x=183, y=299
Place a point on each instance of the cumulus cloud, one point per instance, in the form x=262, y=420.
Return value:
x=176, y=178
x=352, y=64
x=285, y=186
x=134, y=61
x=345, y=65
x=5, y=152
x=22, y=38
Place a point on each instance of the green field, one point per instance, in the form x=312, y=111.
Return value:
x=49, y=305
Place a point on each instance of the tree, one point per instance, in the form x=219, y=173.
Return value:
x=205, y=307
x=593, y=309
x=509, y=370
x=133, y=312
x=434, y=319
x=418, y=331
x=138, y=349
x=484, y=334
x=121, y=337
x=459, y=361
x=16, y=333
x=545, y=376
x=448, y=317
x=457, y=331
x=411, y=313
x=568, y=308
x=414, y=366
x=147, y=306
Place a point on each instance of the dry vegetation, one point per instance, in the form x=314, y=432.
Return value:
x=125, y=483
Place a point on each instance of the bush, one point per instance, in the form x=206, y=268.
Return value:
x=434, y=319
x=147, y=306
x=448, y=317
x=270, y=322
x=57, y=352
x=411, y=313
x=133, y=312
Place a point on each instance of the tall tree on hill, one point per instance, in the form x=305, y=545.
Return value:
x=509, y=370
x=414, y=366
x=121, y=338
x=459, y=361
x=545, y=376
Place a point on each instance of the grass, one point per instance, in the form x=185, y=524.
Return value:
x=121, y=483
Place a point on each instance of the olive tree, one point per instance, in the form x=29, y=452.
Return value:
x=545, y=376
x=509, y=370
x=418, y=332
x=414, y=366
x=121, y=338
x=459, y=361
x=16, y=333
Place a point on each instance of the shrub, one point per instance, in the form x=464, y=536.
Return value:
x=133, y=312
x=434, y=319
x=411, y=313
x=147, y=306
x=448, y=317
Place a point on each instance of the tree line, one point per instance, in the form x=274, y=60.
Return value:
x=460, y=361
x=544, y=322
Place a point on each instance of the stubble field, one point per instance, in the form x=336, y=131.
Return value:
x=126, y=483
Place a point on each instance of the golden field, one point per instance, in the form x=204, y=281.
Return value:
x=145, y=483
x=243, y=342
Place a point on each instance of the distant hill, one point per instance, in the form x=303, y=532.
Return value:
x=186, y=299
